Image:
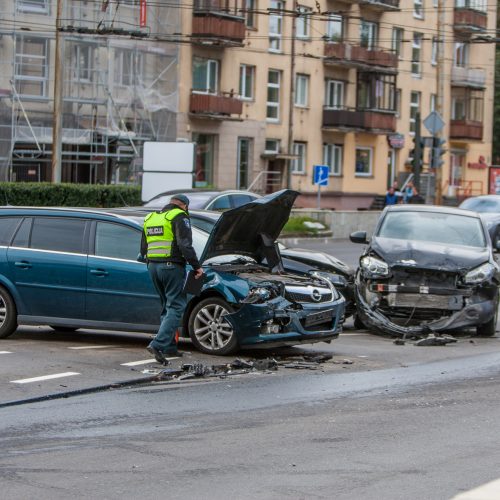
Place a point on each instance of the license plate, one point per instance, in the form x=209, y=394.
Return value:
x=320, y=317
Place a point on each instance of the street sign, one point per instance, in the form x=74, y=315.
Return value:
x=434, y=123
x=320, y=175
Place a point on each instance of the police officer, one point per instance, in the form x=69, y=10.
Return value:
x=167, y=244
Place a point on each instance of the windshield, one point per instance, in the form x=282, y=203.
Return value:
x=482, y=204
x=434, y=227
x=196, y=200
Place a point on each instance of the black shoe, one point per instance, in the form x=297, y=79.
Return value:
x=159, y=356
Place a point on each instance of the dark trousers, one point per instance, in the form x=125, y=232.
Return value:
x=168, y=280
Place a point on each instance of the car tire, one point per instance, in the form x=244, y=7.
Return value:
x=209, y=332
x=489, y=329
x=358, y=324
x=8, y=314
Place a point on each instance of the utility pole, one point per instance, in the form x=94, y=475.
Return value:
x=439, y=90
x=418, y=153
x=291, y=99
x=58, y=98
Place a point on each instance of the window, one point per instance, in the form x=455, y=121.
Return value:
x=397, y=102
x=128, y=67
x=244, y=147
x=416, y=54
x=375, y=91
x=58, y=234
x=363, y=162
x=116, y=241
x=414, y=109
x=334, y=94
x=7, y=227
x=22, y=237
x=275, y=26
x=273, y=95
x=418, y=9
x=480, y=5
x=205, y=75
x=241, y=199
x=82, y=65
x=467, y=104
x=433, y=102
x=205, y=148
x=36, y=6
x=332, y=156
x=247, y=79
x=250, y=13
x=434, y=51
x=397, y=41
x=220, y=204
x=368, y=34
x=31, y=66
x=461, y=55
x=303, y=26
x=301, y=90
x=335, y=28
x=299, y=163
x=272, y=146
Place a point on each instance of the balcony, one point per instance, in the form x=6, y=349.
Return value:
x=469, y=20
x=344, y=54
x=380, y=5
x=218, y=29
x=466, y=129
x=215, y=106
x=368, y=120
x=468, y=77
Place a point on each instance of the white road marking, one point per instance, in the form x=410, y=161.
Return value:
x=43, y=377
x=144, y=362
x=5, y=352
x=91, y=347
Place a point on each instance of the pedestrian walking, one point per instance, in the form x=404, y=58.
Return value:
x=391, y=198
x=167, y=245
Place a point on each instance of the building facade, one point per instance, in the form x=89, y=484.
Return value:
x=269, y=89
x=266, y=88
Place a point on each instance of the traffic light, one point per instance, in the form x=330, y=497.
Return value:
x=437, y=152
x=417, y=153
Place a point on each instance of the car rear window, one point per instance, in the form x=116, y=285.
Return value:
x=7, y=227
x=115, y=241
x=58, y=234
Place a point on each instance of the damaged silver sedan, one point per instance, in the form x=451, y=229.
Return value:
x=427, y=269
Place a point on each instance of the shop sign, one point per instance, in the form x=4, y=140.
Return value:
x=479, y=165
x=396, y=141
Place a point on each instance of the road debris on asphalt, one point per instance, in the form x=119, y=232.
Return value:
x=433, y=339
x=241, y=366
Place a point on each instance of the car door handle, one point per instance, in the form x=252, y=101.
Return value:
x=23, y=264
x=99, y=272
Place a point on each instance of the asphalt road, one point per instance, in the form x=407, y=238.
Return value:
x=376, y=421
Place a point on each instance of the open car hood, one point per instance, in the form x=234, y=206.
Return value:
x=251, y=229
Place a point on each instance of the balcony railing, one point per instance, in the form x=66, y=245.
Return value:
x=381, y=5
x=469, y=20
x=221, y=105
x=468, y=77
x=344, y=53
x=466, y=129
x=359, y=119
x=218, y=28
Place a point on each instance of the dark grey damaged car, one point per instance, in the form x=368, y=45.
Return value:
x=427, y=269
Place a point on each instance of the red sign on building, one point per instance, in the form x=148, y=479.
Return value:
x=142, y=19
x=494, y=180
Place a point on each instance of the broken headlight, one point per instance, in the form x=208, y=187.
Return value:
x=374, y=268
x=479, y=274
x=256, y=295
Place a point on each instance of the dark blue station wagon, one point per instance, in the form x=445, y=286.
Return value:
x=78, y=268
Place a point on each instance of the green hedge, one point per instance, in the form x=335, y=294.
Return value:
x=45, y=194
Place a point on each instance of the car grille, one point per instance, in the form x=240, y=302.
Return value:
x=308, y=295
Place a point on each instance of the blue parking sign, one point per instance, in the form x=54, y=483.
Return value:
x=320, y=175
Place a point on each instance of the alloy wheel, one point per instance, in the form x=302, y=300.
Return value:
x=211, y=329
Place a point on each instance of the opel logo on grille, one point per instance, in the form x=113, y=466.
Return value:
x=316, y=295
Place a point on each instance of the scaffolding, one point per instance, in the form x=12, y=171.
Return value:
x=119, y=88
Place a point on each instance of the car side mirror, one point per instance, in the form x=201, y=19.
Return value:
x=358, y=237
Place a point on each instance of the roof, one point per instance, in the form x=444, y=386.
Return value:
x=431, y=208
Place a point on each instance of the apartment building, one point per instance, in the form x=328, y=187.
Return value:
x=266, y=88
x=119, y=87
x=270, y=88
